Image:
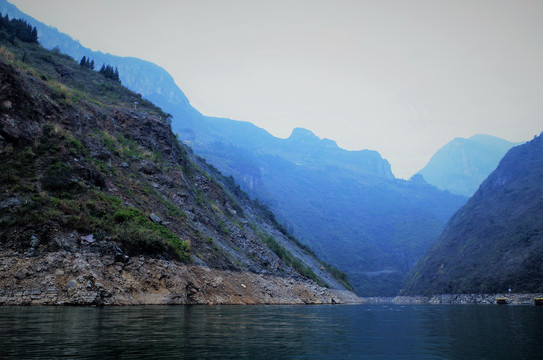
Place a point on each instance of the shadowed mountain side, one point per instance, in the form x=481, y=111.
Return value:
x=495, y=241
x=373, y=228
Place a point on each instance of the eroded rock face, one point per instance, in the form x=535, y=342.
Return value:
x=66, y=278
x=21, y=97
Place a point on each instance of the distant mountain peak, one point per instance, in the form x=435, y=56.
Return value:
x=482, y=136
x=463, y=163
x=302, y=133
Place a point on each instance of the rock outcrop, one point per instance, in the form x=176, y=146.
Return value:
x=88, y=278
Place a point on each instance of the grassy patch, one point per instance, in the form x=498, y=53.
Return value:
x=138, y=231
x=290, y=260
x=224, y=229
x=98, y=213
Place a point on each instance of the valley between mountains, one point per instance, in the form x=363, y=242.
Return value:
x=118, y=191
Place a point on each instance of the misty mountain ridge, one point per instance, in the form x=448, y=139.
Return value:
x=302, y=147
x=461, y=165
x=157, y=85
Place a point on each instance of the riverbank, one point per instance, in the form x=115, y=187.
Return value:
x=510, y=298
x=66, y=278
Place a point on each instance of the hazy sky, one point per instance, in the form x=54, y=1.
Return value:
x=400, y=77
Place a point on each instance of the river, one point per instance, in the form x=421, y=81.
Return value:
x=272, y=332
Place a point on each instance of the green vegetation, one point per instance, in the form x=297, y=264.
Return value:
x=339, y=275
x=87, y=63
x=234, y=192
x=173, y=210
x=106, y=70
x=144, y=235
x=109, y=73
x=199, y=197
x=60, y=177
x=103, y=215
x=224, y=229
x=290, y=260
x=20, y=29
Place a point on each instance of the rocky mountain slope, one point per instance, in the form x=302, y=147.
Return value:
x=495, y=241
x=100, y=204
x=461, y=165
x=346, y=205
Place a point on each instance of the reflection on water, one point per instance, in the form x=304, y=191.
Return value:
x=272, y=332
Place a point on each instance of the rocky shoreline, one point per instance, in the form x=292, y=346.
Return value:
x=66, y=278
x=450, y=299
x=88, y=278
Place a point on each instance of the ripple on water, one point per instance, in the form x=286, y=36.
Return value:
x=272, y=332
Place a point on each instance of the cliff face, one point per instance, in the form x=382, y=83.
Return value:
x=101, y=205
x=86, y=277
x=495, y=241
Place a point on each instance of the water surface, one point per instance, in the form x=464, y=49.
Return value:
x=272, y=332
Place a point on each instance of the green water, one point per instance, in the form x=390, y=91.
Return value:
x=272, y=332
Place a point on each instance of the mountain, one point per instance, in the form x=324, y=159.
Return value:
x=495, y=241
x=462, y=164
x=346, y=205
x=100, y=203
